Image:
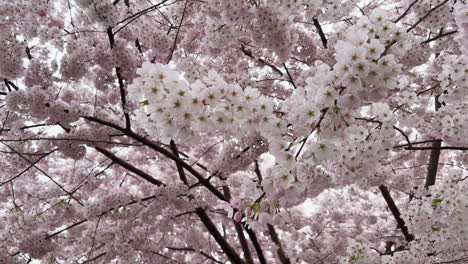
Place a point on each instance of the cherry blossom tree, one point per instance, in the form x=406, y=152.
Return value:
x=217, y=131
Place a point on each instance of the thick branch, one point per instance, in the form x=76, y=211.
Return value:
x=396, y=213
x=320, y=32
x=274, y=236
x=129, y=167
x=210, y=226
x=256, y=245
x=163, y=151
x=433, y=163
x=123, y=98
x=434, y=156
x=181, y=171
x=110, y=35
x=243, y=242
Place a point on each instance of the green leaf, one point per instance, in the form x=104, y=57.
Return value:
x=145, y=102
x=255, y=207
x=436, y=203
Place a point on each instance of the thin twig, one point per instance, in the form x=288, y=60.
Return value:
x=177, y=32
x=262, y=61
x=426, y=15
x=440, y=35
x=406, y=11
x=130, y=167
x=290, y=77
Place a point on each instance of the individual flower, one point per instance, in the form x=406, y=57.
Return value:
x=374, y=49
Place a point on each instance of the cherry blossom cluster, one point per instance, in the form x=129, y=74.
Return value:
x=439, y=219
x=461, y=18
x=206, y=107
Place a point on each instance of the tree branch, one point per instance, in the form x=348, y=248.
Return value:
x=243, y=242
x=123, y=98
x=256, y=245
x=435, y=154
x=45, y=174
x=177, y=33
x=426, y=15
x=210, y=226
x=440, y=35
x=406, y=11
x=396, y=213
x=181, y=171
x=274, y=236
x=290, y=77
x=320, y=32
x=130, y=167
x=262, y=61
x=163, y=151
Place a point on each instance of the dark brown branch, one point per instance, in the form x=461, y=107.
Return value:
x=130, y=167
x=317, y=125
x=30, y=166
x=404, y=135
x=406, y=12
x=110, y=35
x=239, y=231
x=258, y=173
x=320, y=32
x=211, y=227
x=249, y=54
x=9, y=84
x=256, y=245
x=138, y=45
x=433, y=163
x=414, y=143
x=426, y=15
x=437, y=147
x=243, y=242
x=193, y=250
x=28, y=53
x=94, y=237
x=182, y=175
x=440, y=35
x=274, y=236
x=68, y=139
x=103, y=213
x=123, y=98
x=142, y=12
x=45, y=174
x=290, y=77
x=396, y=213
x=95, y=258
x=66, y=228
x=163, y=151
x=177, y=33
